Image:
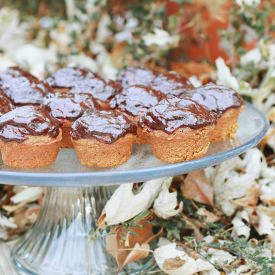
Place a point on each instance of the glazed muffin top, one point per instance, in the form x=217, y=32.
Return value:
x=21, y=123
x=136, y=99
x=5, y=105
x=68, y=106
x=21, y=87
x=69, y=77
x=104, y=126
x=102, y=90
x=216, y=98
x=173, y=113
x=171, y=83
x=136, y=75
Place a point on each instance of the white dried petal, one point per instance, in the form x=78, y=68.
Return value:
x=29, y=194
x=7, y=222
x=160, y=38
x=219, y=257
x=224, y=75
x=175, y=261
x=240, y=228
x=254, y=57
x=166, y=204
x=124, y=204
x=266, y=217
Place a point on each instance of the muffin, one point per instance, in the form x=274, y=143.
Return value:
x=101, y=90
x=21, y=87
x=29, y=137
x=136, y=75
x=134, y=101
x=178, y=129
x=103, y=138
x=66, y=78
x=5, y=105
x=67, y=107
x=225, y=103
x=171, y=83
x=82, y=81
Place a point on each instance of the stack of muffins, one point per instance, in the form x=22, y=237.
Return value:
x=103, y=119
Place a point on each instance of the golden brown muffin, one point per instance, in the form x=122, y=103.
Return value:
x=22, y=88
x=134, y=101
x=171, y=83
x=225, y=103
x=103, y=138
x=83, y=81
x=178, y=129
x=67, y=107
x=5, y=105
x=136, y=76
x=29, y=137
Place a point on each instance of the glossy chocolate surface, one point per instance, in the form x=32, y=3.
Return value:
x=105, y=126
x=216, y=98
x=136, y=75
x=21, y=87
x=173, y=113
x=97, y=87
x=22, y=122
x=171, y=83
x=5, y=105
x=69, y=77
x=69, y=106
x=136, y=99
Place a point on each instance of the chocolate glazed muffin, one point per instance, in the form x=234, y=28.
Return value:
x=225, y=103
x=178, y=129
x=171, y=83
x=5, y=105
x=67, y=107
x=134, y=101
x=103, y=138
x=82, y=81
x=136, y=75
x=21, y=87
x=29, y=137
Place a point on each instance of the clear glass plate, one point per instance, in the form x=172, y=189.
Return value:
x=67, y=171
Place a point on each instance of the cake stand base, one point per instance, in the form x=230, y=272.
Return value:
x=59, y=243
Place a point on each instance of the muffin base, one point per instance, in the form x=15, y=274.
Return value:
x=66, y=141
x=226, y=125
x=92, y=152
x=182, y=145
x=30, y=153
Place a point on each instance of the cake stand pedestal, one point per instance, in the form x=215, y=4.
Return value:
x=60, y=242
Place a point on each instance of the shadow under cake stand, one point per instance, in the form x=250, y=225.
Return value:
x=59, y=242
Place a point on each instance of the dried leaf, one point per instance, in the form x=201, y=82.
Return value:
x=124, y=204
x=209, y=216
x=123, y=243
x=197, y=187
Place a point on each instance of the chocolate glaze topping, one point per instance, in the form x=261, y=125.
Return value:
x=136, y=99
x=5, y=105
x=216, y=98
x=173, y=113
x=105, y=126
x=21, y=87
x=171, y=83
x=97, y=87
x=22, y=122
x=69, y=77
x=136, y=75
x=69, y=106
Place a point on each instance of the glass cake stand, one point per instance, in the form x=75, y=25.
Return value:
x=59, y=243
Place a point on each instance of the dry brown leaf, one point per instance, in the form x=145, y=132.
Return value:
x=209, y=216
x=138, y=252
x=133, y=246
x=197, y=188
x=250, y=199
